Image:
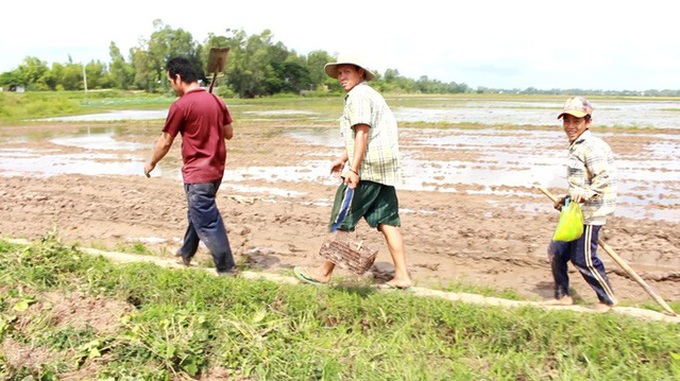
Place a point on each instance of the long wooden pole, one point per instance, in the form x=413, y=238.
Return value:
x=212, y=82
x=623, y=264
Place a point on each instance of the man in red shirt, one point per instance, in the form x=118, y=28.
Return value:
x=204, y=122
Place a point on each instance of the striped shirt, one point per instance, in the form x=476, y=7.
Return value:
x=591, y=172
x=364, y=105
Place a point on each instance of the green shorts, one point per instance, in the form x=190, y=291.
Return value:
x=375, y=202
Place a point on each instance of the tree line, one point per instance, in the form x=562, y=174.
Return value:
x=257, y=66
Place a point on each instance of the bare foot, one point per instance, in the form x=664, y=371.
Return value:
x=393, y=284
x=603, y=307
x=308, y=275
x=563, y=301
x=401, y=280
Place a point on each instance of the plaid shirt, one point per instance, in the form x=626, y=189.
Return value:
x=364, y=105
x=591, y=172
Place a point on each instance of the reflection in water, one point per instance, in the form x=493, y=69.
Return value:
x=113, y=116
x=103, y=141
x=647, y=114
x=503, y=160
x=20, y=162
x=484, y=161
x=637, y=113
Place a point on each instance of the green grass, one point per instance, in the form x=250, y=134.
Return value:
x=188, y=322
x=137, y=248
x=22, y=107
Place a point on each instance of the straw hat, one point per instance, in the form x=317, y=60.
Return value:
x=332, y=68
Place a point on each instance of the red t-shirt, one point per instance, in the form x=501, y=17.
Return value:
x=199, y=117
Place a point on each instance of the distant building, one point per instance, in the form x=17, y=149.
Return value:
x=16, y=88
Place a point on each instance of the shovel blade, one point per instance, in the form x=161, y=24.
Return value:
x=217, y=59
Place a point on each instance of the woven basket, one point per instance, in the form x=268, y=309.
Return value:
x=341, y=249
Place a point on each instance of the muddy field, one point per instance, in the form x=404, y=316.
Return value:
x=470, y=231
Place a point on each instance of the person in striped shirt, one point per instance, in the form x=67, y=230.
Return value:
x=370, y=165
x=591, y=176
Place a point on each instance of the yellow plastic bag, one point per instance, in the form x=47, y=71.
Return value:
x=570, y=225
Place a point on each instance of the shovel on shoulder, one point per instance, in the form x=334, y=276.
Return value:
x=217, y=61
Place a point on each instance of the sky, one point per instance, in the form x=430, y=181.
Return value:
x=597, y=44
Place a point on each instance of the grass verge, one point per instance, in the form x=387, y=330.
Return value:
x=69, y=315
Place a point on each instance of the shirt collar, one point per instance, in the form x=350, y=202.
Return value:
x=585, y=135
x=194, y=89
x=364, y=83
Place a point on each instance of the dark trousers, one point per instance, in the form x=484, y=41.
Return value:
x=206, y=225
x=583, y=254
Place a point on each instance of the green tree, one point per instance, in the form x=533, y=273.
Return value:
x=33, y=74
x=289, y=76
x=289, y=71
x=10, y=78
x=316, y=61
x=249, y=67
x=256, y=67
x=165, y=43
x=391, y=75
x=276, y=55
x=72, y=77
x=53, y=79
x=146, y=76
x=97, y=75
x=122, y=74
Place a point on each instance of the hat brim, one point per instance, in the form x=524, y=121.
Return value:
x=576, y=113
x=331, y=69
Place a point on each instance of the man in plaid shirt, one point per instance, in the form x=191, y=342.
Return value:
x=592, y=183
x=371, y=168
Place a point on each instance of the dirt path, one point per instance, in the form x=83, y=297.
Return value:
x=463, y=237
x=463, y=297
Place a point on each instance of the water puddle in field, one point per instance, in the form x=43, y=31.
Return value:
x=481, y=161
x=288, y=115
x=504, y=163
x=97, y=156
x=609, y=113
x=39, y=163
x=635, y=113
x=516, y=159
x=112, y=116
x=96, y=142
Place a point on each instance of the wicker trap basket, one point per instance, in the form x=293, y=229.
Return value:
x=348, y=253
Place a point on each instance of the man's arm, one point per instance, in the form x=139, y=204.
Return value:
x=228, y=131
x=339, y=163
x=360, y=144
x=162, y=147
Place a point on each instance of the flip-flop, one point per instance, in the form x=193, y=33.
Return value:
x=299, y=273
